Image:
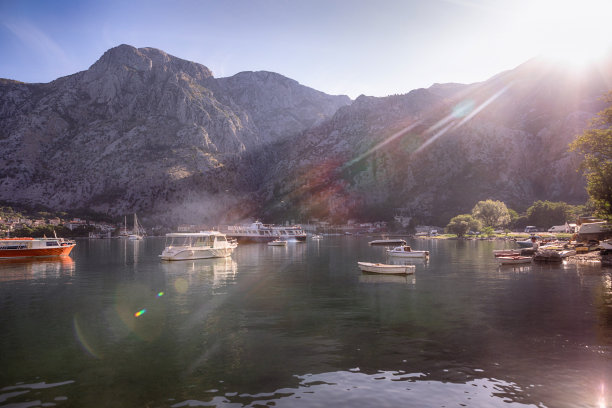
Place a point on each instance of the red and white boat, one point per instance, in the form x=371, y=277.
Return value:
x=34, y=247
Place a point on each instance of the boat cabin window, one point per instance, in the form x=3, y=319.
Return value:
x=52, y=243
x=205, y=241
x=19, y=245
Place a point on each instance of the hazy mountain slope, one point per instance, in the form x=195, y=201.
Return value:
x=505, y=138
x=141, y=130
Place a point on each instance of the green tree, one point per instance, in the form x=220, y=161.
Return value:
x=487, y=231
x=595, y=144
x=461, y=224
x=545, y=214
x=491, y=213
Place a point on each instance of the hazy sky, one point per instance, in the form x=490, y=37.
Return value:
x=352, y=47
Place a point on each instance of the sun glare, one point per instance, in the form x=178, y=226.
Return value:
x=572, y=32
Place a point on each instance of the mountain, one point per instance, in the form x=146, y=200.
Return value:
x=435, y=152
x=143, y=131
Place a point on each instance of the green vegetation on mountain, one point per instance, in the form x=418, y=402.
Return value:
x=595, y=145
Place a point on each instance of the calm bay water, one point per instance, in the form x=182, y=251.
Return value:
x=301, y=326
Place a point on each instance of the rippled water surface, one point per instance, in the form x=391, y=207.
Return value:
x=301, y=326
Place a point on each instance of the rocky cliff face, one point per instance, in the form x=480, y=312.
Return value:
x=143, y=131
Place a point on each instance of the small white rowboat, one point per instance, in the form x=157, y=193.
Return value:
x=513, y=260
x=386, y=268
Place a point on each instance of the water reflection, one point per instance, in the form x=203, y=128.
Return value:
x=214, y=272
x=304, y=327
x=373, y=278
x=36, y=268
x=353, y=388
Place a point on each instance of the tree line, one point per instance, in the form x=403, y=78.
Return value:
x=490, y=215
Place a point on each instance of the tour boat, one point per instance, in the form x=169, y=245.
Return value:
x=259, y=232
x=197, y=245
x=385, y=268
x=405, y=251
x=513, y=259
x=34, y=247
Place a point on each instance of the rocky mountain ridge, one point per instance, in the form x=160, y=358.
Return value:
x=143, y=131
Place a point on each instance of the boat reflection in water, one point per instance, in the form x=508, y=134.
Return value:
x=200, y=273
x=36, y=268
x=377, y=278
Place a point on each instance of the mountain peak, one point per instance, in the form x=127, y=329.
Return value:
x=147, y=59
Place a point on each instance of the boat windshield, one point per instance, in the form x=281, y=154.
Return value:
x=196, y=241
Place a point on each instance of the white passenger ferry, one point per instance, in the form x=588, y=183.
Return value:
x=259, y=232
x=197, y=245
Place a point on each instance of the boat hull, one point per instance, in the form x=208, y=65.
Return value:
x=263, y=239
x=191, y=254
x=387, y=242
x=513, y=260
x=386, y=268
x=36, y=252
x=410, y=254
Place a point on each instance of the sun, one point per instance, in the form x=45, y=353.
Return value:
x=574, y=33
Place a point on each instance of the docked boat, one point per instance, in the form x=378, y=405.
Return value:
x=405, y=251
x=138, y=232
x=34, y=247
x=259, y=232
x=513, y=259
x=506, y=252
x=388, y=242
x=529, y=242
x=277, y=242
x=386, y=268
x=197, y=245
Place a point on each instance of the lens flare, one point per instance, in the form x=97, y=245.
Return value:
x=140, y=312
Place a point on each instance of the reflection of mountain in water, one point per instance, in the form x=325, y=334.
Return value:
x=36, y=268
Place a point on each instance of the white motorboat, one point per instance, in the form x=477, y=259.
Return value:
x=317, y=236
x=277, y=242
x=405, y=251
x=386, y=268
x=513, y=259
x=197, y=245
x=529, y=242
